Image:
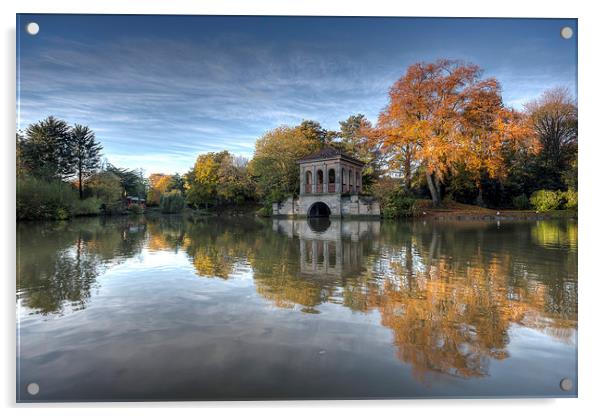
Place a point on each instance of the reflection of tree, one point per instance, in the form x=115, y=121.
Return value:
x=59, y=263
x=218, y=248
x=166, y=233
x=452, y=297
x=450, y=293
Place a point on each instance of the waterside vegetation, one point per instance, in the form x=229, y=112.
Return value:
x=444, y=141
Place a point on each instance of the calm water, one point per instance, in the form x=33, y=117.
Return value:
x=165, y=309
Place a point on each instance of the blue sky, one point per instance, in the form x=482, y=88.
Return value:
x=159, y=90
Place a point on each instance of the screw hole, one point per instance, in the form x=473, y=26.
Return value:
x=33, y=388
x=566, y=384
x=566, y=32
x=32, y=28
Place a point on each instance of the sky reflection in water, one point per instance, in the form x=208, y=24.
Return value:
x=165, y=309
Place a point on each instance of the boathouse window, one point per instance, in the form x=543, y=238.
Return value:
x=320, y=181
x=308, y=181
x=331, y=176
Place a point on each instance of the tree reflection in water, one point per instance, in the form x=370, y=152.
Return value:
x=449, y=292
x=59, y=263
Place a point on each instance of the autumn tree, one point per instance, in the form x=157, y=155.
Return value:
x=217, y=179
x=158, y=185
x=274, y=164
x=86, y=154
x=489, y=132
x=440, y=114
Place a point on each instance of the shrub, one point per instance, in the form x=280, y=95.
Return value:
x=570, y=199
x=521, y=202
x=398, y=204
x=544, y=200
x=265, y=211
x=172, y=202
x=41, y=199
x=89, y=206
x=394, y=200
x=135, y=209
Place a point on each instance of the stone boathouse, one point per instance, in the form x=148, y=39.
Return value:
x=331, y=186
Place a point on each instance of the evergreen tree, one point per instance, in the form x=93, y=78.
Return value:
x=86, y=154
x=46, y=150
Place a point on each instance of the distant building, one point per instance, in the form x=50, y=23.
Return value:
x=134, y=200
x=331, y=185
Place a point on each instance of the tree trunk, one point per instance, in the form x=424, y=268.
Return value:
x=407, y=174
x=480, y=197
x=81, y=187
x=434, y=190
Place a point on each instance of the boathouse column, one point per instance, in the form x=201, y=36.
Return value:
x=360, y=181
x=338, y=179
x=301, y=180
x=314, y=178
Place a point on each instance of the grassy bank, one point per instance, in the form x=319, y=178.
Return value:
x=450, y=210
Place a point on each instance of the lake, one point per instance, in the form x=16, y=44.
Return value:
x=241, y=308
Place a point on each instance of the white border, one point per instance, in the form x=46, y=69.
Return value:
x=590, y=68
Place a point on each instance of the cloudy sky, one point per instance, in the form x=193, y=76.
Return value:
x=159, y=90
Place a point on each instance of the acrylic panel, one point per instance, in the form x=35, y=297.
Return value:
x=281, y=207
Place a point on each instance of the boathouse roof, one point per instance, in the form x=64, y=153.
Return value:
x=328, y=152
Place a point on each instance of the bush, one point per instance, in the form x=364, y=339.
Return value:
x=521, y=202
x=394, y=200
x=172, y=202
x=570, y=199
x=265, y=211
x=135, y=209
x=398, y=204
x=544, y=200
x=40, y=199
x=89, y=206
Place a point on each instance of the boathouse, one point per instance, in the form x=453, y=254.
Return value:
x=331, y=186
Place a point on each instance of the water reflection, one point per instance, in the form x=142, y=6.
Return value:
x=450, y=294
x=58, y=263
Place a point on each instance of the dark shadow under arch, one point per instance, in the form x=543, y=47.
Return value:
x=318, y=209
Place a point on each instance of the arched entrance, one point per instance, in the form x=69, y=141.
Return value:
x=319, y=209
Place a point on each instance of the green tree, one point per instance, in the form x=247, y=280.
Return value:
x=176, y=183
x=46, y=150
x=274, y=164
x=354, y=140
x=554, y=119
x=172, y=202
x=315, y=132
x=131, y=181
x=86, y=154
x=106, y=186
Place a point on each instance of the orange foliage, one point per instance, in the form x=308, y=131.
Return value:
x=443, y=114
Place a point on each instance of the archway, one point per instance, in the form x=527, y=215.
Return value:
x=318, y=209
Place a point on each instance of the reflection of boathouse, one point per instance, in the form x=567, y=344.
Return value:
x=329, y=248
x=331, y=185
